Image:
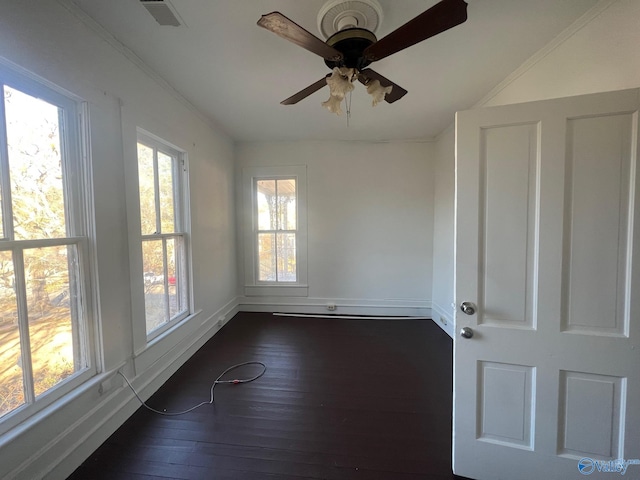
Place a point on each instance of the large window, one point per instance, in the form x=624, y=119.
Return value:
x=164, y=243
x=275, y=231
x=44, y=326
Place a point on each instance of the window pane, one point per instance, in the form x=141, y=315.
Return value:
x=266, y=257
x=11, y=386
x=154, y=290
x=50, y=276
x=287, y=204
x=267, y=212
x=174, y=300
x=286, y=257
x=35, y=166
x=147, y=190
x=177, y=278
x=166, y=184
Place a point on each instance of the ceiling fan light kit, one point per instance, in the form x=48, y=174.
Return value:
x=351, y=44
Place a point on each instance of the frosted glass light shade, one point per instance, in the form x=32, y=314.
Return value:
x=377, y=91
x=340, y=81
x=333, y=105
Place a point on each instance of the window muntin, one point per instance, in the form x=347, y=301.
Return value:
x=43, y=306
x=277, y=229
x=164, y=256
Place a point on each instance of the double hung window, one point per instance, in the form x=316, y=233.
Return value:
x=275, y=231
x=161, y=171
x=44, y=313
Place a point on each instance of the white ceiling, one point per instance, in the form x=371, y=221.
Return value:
x=236, y=73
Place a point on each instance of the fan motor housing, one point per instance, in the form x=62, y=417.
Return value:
x=351, y=42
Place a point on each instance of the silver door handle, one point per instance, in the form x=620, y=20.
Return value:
x=468, y=308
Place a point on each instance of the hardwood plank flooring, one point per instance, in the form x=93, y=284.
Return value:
x=341, y=399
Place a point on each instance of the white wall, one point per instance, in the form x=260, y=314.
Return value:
x=444, y=192
x=599, y=52
x=370, y=224
x=51, y=41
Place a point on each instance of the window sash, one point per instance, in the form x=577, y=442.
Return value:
x=174, y=306
x=178, y=163
x=37, y=394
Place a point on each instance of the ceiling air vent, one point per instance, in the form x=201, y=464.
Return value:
x=163, y=12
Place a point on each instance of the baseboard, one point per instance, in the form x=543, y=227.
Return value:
x=443, y=318
x=343, y=306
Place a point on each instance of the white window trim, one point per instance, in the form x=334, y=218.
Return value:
x=79, y=211
x=183, y=219
x=253, y=287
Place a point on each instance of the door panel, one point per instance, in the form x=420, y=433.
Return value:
x=505, y=404
x=547, y=215
x=598, y=397
x=507, y=196
x=597, y=204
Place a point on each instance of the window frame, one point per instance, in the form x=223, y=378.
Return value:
x=80, y=223
x=181, y=227
x=252, y=285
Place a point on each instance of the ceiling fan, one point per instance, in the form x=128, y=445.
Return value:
x=350, y=50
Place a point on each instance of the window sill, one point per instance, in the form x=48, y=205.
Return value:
x=166, y=341
x=276, y=290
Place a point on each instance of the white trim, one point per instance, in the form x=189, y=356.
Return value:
x=344, y=306
x=438, y=313
x=293, y=290
x=350, y=317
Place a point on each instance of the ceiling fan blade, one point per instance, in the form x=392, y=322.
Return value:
x=293, y=99
x=289, y=30
x=397, y=92
x=442, y=16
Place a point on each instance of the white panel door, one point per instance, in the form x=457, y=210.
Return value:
x=547, y=253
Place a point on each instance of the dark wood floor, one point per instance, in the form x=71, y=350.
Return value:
x=341, y=399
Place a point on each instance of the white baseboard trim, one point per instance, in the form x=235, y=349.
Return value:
x=443, y=318
x=343, y=306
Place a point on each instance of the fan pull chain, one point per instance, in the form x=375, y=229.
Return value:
x=347, y=105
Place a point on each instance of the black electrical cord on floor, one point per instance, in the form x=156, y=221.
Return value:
x=213, y=386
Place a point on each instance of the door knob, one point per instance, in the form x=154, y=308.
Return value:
x=466, y=332
x=468, y=308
